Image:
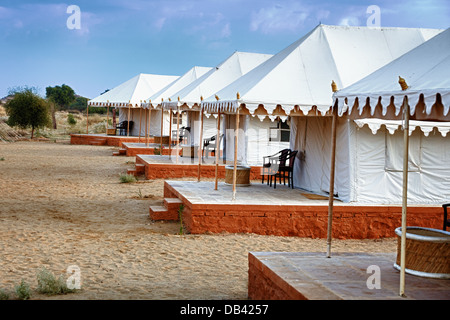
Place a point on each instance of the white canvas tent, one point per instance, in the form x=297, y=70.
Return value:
x=154, y=102
x=422, y=92
x=370, y=130
x=190, y=97
x=127, y=97
x=296, y=82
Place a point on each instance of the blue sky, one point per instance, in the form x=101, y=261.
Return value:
x=120, y=38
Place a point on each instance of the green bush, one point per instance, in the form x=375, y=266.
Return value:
x=4, y=295
x=127, y=178
x=71, y=120
x=50, y=285
x=23, y=291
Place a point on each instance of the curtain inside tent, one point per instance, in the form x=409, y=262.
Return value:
x=230, y=125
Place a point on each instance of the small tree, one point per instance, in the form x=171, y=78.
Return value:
x=60, y=97
x=27, y=109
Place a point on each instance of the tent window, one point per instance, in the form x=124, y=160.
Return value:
x=174, y=119
x=394, y=152
x=281, y=132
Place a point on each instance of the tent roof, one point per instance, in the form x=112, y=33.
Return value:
x=133, y=91
x=193, y=74
x=426, y=72
x=301, y=74
x=236, y=65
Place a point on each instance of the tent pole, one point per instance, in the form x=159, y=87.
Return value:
x=217, y=150
x=170, y=133
x=149, y=121
x=200, y=144
x=128, y=122
x=405, y=195
x=178, y=131
x=236, y=139
x=146, y=125
x=107, y=118
x=140, y=121
x=162, y=127
x=332, y=174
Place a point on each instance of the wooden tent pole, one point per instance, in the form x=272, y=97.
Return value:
x=107, y=118
x=178, y=131
x=405, y=195
x=149, y=121
x=217, y=150
x=200, y=145
x=162, y=127
x=140, y=121
x=236, y=140
x=170, y=133
x=332, y=174
x=128, y=122
x=146, y=126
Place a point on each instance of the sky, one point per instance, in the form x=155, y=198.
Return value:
x=94, y=45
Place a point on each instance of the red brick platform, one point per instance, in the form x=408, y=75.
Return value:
x=104, y=140
x=163, y=167
x=344, y=276
x=283, y=211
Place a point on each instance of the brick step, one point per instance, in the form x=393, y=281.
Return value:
x=172, y=204
x=116, y=153
x=122, y=151
x=167, y=211
x=161, y=213
x=140, y=168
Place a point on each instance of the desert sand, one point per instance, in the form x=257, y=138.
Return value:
x=63, y=205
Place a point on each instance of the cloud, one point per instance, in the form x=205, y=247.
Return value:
x=288, y=16
x=349, y=21
x=35, y=18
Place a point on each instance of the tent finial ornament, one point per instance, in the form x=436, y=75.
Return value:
x=402, y=83
x=201, y=98
x=238, y=96
x=217, y=98
x=334, y=86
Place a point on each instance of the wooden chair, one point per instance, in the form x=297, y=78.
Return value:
x=446, y=218
x=286, y=170
x=123, y=127
x=271, y=163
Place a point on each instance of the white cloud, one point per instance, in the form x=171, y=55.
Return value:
x=280, y=17
x=349, y=21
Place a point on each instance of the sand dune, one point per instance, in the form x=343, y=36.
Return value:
x=63, y=205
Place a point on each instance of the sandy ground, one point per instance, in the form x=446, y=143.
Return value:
x=63, y=205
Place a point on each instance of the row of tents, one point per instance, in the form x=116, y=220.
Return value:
x=336, y=81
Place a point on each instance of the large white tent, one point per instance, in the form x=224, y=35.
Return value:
x=371, y=148
x=154, y=101
x=190, y=97
x=297, y=82
x=301, y=74
x=422, y=93
x=129, y=95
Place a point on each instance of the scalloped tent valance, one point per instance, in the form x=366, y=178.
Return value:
x=393, y=125
x=299, y=76
x=421, y=76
